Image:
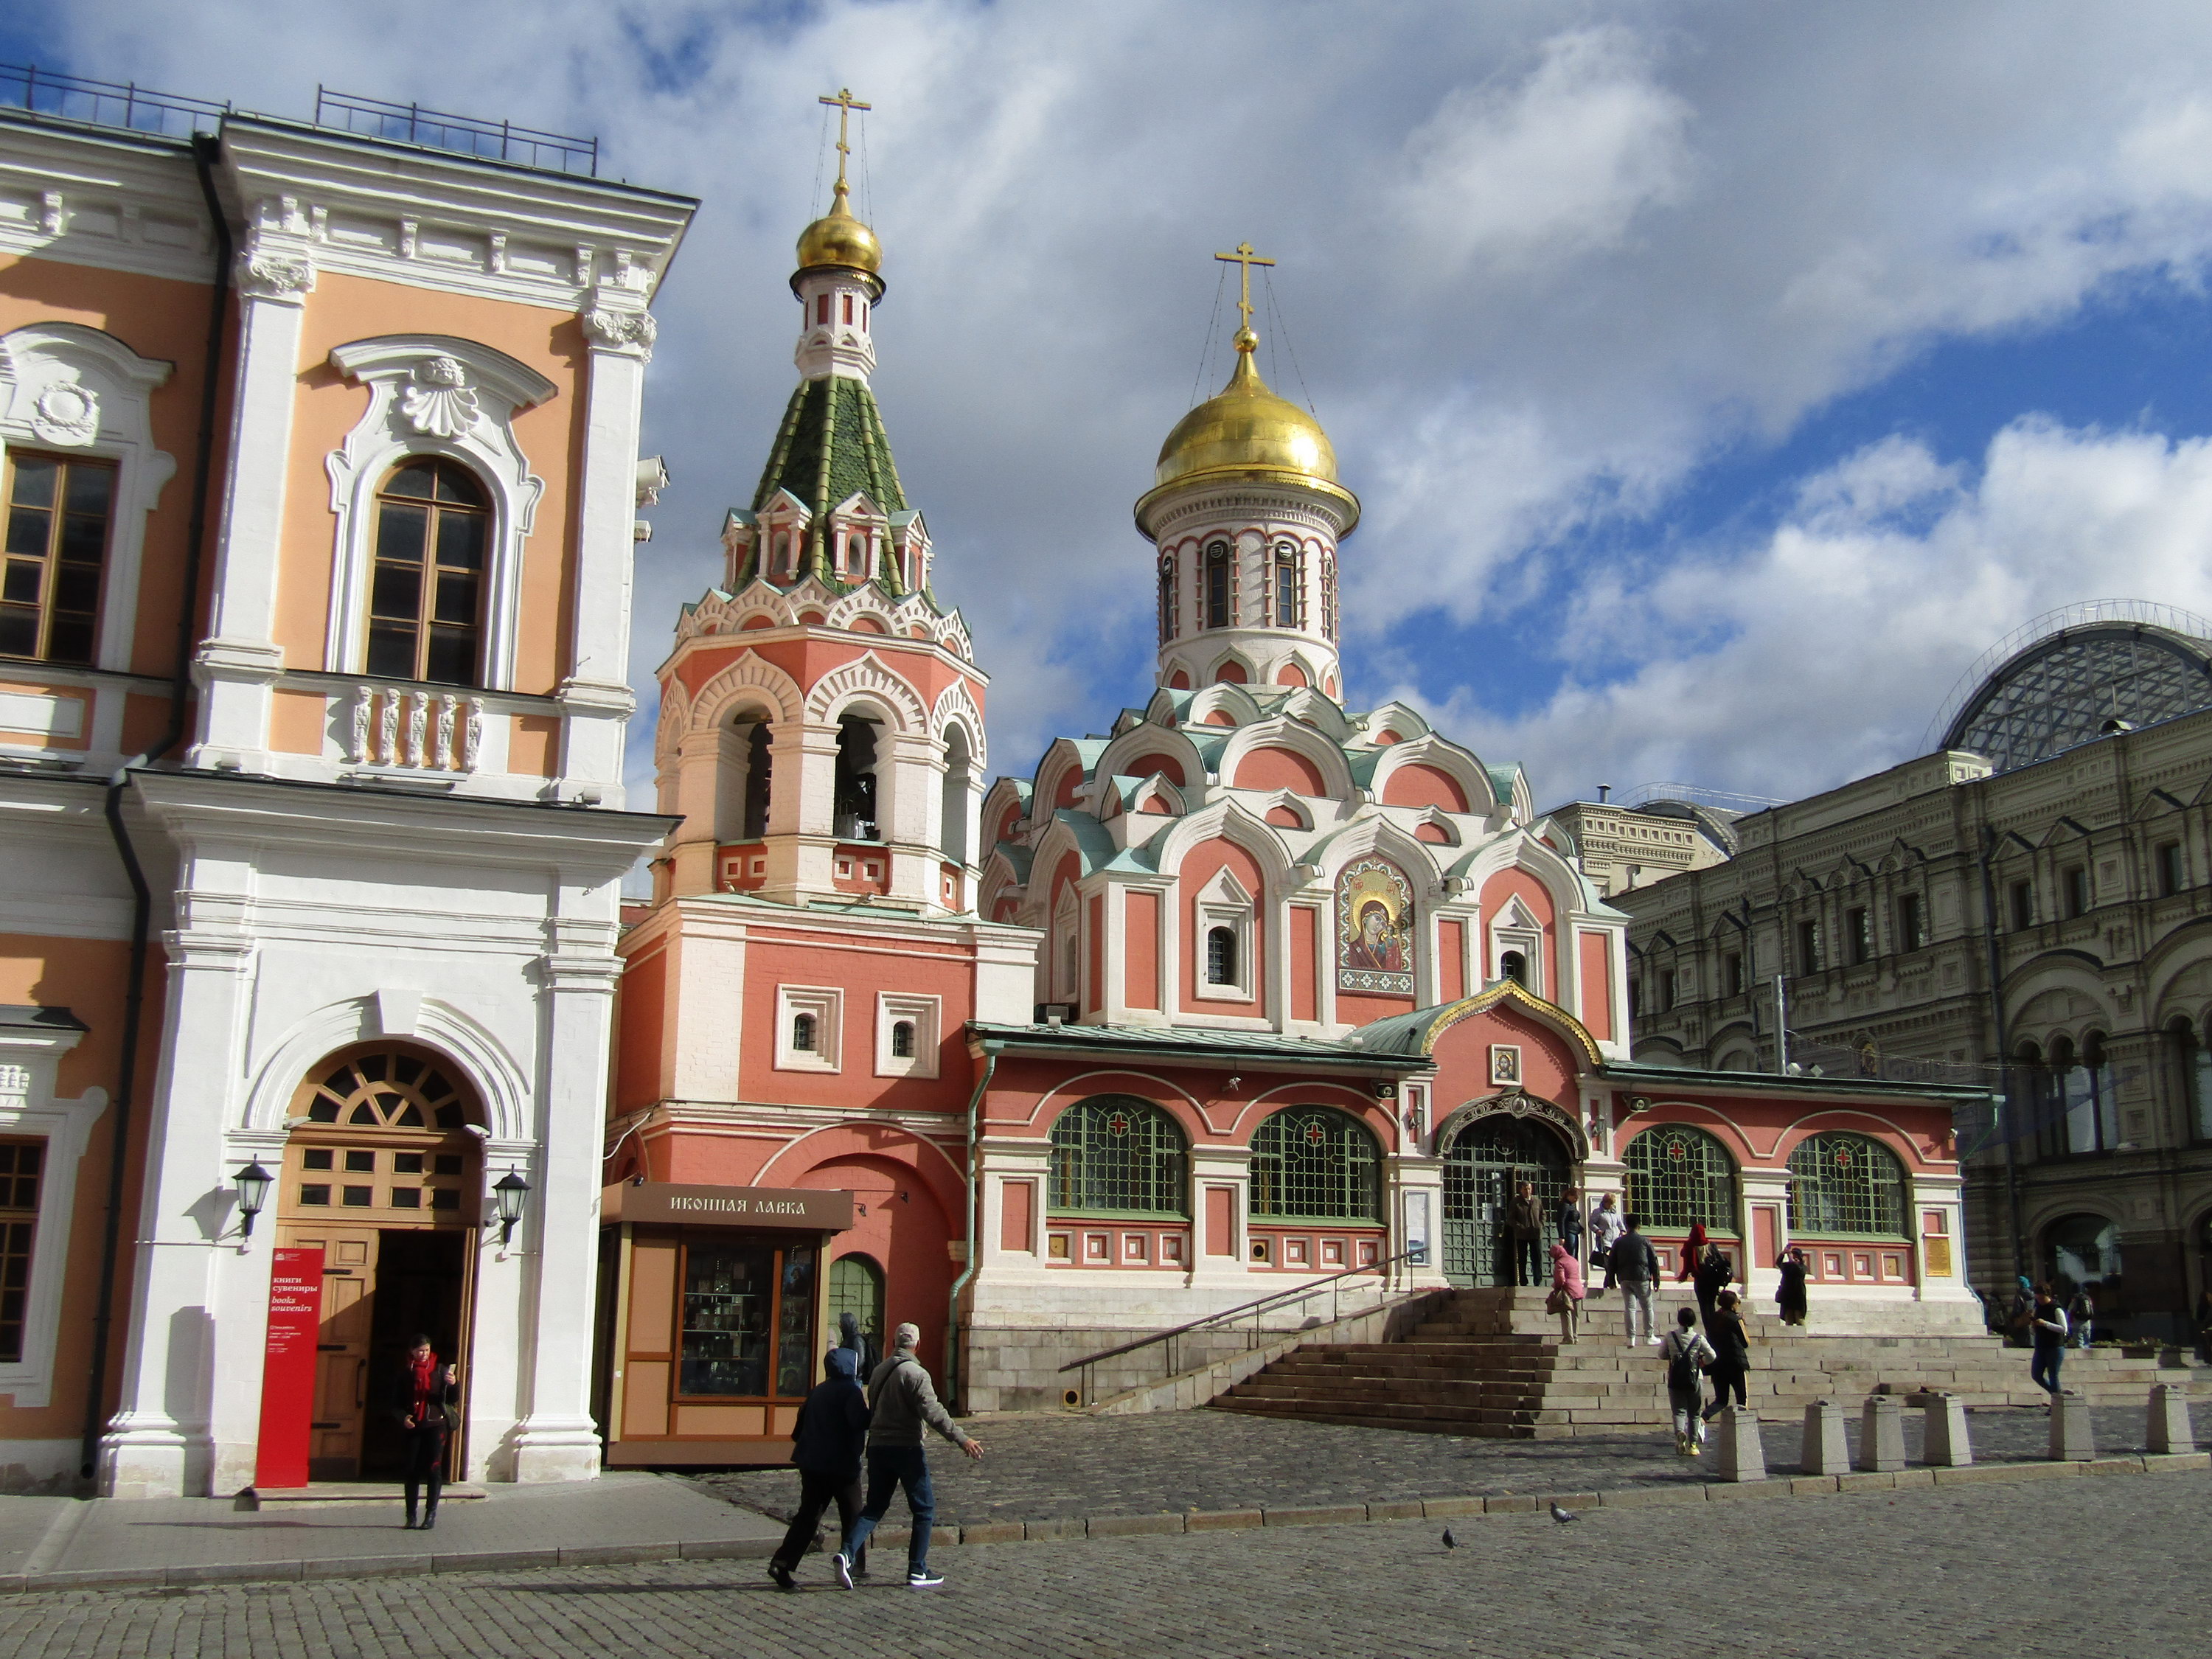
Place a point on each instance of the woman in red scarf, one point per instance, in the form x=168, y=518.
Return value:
x=424, y=1392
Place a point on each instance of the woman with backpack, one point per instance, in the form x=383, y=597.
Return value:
x=1686, y=1353
x=1732, y=1353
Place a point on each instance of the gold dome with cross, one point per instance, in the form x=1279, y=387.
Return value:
x=837, y=239
x=1246, y=430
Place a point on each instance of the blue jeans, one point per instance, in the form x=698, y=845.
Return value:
x=891, y=1468
x=2042, y=1370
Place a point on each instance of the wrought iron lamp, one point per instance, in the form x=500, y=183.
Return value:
x=253, y=1184
x=508, y=1193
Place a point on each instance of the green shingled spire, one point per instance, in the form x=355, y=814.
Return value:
x=831, y=443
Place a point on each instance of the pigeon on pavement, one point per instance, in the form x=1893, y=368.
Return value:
x=1563, y=1515
x=1450, y=1542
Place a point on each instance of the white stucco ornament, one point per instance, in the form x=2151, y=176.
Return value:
x=66, y=414
x=439, y=404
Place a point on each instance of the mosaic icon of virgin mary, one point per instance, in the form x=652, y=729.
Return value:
x=1374, y=921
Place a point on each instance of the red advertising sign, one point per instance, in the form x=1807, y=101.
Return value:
x=287, y=1369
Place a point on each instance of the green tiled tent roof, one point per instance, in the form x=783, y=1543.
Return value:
x=831, y=444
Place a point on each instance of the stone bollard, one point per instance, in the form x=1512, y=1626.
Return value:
x=2170, y=1430
x=1743, y=1453
x=1825, y=1450
x=2070, y=1439
x=1881, y=1434
x=1947, y=1444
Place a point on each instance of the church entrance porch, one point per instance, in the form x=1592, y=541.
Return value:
x=1486, y=1160
x=381, y=1177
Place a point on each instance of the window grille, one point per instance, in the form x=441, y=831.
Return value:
x=57, y=540
x=1846, y=1183
x=802, y=1033
x=903, y=1040
x=1118, y=1154
x=1328, y=596
x=1170, y=618
x=1221, y=956
x=1313, y=1164
x=21, y=1163
x=1680, y=1177
x=1514, y=965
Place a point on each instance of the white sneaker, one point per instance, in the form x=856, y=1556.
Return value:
x=1658, y=1341
x=844, y=1572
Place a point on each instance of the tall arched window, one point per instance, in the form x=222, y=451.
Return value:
x=1220, y=591
x=1328, y=603
x=1846, y=1183
x=952, y=796
x=2081, y=1108
x=1314, y=1163
x=760, y=767
x=2192, y=1063
x=1170, y=609
x=56, y=541
x=1514, y=966
x=856, y=1287
x=1115, y=1154
x=1221, y=956
x=853, y=787
x=1288, y=591
x=427, y=590
x=1680, y=1177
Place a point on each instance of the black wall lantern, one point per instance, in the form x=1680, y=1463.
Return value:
x=508, y=1193
x=253, y=1184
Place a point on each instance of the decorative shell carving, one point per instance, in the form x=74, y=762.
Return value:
x=439, y=403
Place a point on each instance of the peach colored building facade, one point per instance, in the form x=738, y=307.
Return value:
x=319, y=459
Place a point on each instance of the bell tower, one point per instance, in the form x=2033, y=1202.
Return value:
x=1247, y=514
x=822, y=715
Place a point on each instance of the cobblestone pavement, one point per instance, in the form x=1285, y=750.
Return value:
x=1912, y=1573
x=1051, y=1465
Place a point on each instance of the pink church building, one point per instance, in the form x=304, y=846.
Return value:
x=1254, y=989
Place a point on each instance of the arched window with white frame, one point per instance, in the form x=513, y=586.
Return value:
x=427, y=580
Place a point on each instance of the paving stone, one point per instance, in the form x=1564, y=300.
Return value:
x=1133, y=1526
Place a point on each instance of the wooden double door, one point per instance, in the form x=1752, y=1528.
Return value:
x=382, y=1176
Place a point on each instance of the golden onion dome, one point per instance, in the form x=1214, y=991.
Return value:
x=1246, y=430
x=839, y=239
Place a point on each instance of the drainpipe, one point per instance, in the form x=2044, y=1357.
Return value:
x=1996, y=970
x=954, y=1381
x=205, y=149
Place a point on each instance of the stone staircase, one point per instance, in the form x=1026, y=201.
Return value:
x=1490, y=1364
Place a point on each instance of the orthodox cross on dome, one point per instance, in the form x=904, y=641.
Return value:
x=846, y=103
x=1243, y=256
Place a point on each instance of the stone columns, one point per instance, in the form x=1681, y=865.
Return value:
x=2170, y=1429
x=2071, y=1439
x=1742, y=1453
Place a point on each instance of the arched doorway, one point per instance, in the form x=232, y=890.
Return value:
x=382, y=1176
x=2083, y=1249
x=856, y=1287
x=1486, y=1160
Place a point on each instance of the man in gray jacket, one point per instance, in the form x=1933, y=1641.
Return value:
x=902, y=1404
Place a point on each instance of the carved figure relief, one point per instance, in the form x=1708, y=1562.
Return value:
x=439, y=402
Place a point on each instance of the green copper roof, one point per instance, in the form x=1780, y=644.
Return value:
x=831, y=444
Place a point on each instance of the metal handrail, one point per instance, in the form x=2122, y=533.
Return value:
x=1333, y=1283
x=465, y=134
x=122, y=104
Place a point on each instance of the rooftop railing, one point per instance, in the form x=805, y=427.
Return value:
x=139, y=109
x=501, y=141
x=106, y=103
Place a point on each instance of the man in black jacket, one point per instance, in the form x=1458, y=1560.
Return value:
x=826, y=1445
x=1635, y=1267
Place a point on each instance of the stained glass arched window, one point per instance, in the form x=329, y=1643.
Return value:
x=1846, y=1183
x=1312, y=1163
x=1118, y=1155
x=1680, y=1177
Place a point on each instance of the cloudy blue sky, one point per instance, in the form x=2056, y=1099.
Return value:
x=1720, y=378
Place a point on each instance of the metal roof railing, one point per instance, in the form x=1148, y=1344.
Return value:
x=1695, y=794
x=106, y=103
x=2148, y=613
x=501, y=141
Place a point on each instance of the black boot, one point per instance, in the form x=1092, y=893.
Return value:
x=409, y=1524
x=429, y=1518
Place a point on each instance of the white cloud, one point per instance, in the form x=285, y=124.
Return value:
x=1638, y=239
x=1824, y=651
